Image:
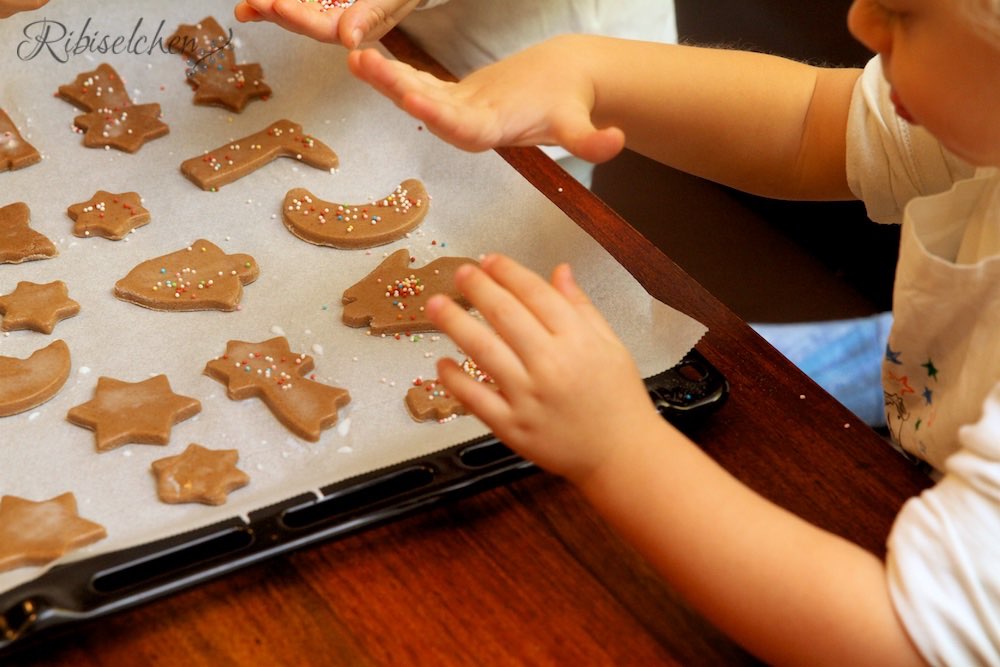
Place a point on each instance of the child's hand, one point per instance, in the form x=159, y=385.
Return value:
x=526, y=100
x=10, y=7
x=363, y=21
x=569, y=393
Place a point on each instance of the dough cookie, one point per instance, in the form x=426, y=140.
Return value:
x=138, y=412
x=27, y=383
x=37, y=307
x=111, y=216
x=18, y=241
x=199, y=475
x=101, y=88
x=35, y=533
x=126, y=129
x=198, y=277
x=238, y=158
x=391, y=298
x=212, y=70
x=428, y=399
x=15, y=152
x=377, y=222
x=272, y=372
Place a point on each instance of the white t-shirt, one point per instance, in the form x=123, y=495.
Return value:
x=940, y=374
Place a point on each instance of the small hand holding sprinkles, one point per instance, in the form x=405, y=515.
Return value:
x=269, y=370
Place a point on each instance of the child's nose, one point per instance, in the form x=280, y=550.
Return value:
x=870, y=26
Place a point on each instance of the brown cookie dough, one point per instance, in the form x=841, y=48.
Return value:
x=199, y=475
x=139, y=412
x=272, y=372
x=198, y=277
x=101, y=88
x=212, y=70
x=35, y=533
x=27, y=383
x=391, y=298
x=109, y=215
x=238, y=158
x=36, y=306
x=126, y=129
x=377, y=222
x=429, y=399
x=15, y=152
x=18, y=241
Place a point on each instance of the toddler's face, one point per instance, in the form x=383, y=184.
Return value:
x=943, y=69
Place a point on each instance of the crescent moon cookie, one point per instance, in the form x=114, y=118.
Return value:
x=273, y=373
x=199, y=475
x=377, y=222
x=36, y=306
x=198, y=277
x=139, y=412
x=391, y=298
x=15, y=152
x=111, y=216
x=428, y=399
x=27, y=383
x=18, y=242
x=236, y=159
x=35, y=533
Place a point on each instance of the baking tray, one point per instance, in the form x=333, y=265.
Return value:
x=88, y=589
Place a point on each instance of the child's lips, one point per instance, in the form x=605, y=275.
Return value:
x=901, y=109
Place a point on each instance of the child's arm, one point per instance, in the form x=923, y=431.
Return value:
x=756, y=122
x=363, y=21
x=572, y=400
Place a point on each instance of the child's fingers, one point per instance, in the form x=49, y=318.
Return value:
x=546, y=305
x=367, y=20
x=565, y=284
x=576, y=133
x=244, y=13
x=308, y=20
x=477, y=340
x=264, y=8
x=489, y=405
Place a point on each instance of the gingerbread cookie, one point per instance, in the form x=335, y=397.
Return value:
x=36, y=306
x=18, y=241
x=236, y=159
x=15, y=152
x=391, y=298
x=198, y=277
x=108, y=215
x=35, y=533
x=139, y=412
x=27, y=383
x=101, y=88
x=126, y=129
x=429, y=399
x=377, y=222
x=273, y=373
x=212, y=70
x=199, y=475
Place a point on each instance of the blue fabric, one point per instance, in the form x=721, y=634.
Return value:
x=842, y=356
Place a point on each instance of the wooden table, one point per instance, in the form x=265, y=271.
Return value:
x=525, y=573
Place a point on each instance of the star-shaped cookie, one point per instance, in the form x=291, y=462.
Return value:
x=36, y=306
x=227, y=85
x=108, y=215
x=137, y=412
x=18, y=241
x=15, y=152
x=199, y=277
x=126, y=129
x=35, y=533
x=101, y=88
x=199, y=475
x=273, y=373
x=391, y=298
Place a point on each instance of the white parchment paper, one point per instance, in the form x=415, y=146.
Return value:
x=479, y=204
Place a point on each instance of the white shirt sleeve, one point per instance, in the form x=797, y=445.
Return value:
x=944, y=553
x=889, y=161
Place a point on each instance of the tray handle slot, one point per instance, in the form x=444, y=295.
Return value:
x=485, y=454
